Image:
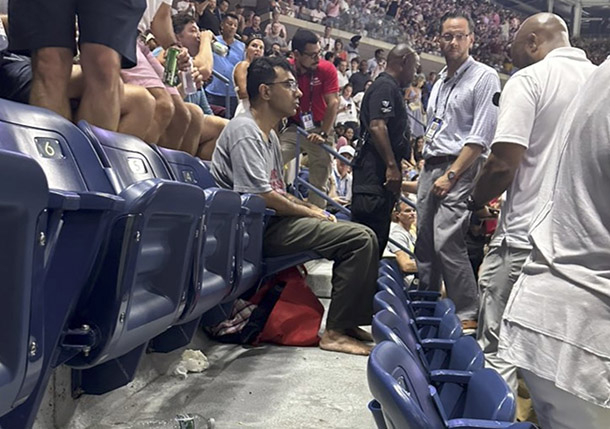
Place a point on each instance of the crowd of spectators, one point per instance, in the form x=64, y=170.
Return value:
x=417, y=23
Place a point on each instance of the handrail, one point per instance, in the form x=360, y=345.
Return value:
x=227, y=82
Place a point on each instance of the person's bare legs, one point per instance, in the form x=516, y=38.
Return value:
x=51, y=68
x=164, y=111
x=190, y=143
x=212, y=127
x=137, y=110
x=334, y=340
x=100, y=103
x=174, y=133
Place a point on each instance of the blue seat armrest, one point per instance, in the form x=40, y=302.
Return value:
x=425, y=295
x=417, y=305
x=63, y=200
x=99, y=201
x=269, y=212
x=437, y=343
x=478, y=424
x=427, y=321
x=450, y=376
x=244, y=211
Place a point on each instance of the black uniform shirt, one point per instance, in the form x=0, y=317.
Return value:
x=383, y=100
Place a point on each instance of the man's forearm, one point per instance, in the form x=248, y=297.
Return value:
x=405, y=263
x=162, y=28
x=495, y=178
x=299, y=202
x=468, y=155
x=285, y=206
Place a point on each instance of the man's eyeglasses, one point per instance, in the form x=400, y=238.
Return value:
x=448, y=37
x=313, y=55
x=291, y=84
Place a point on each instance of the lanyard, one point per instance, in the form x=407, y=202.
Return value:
x=311, y=75
x=450, y=91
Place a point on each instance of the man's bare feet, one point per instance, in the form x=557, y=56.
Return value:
x=360, y=334
x=339, y=341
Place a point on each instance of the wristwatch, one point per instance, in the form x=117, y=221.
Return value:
x=451, y=175
x=472, y=205
x=323, y=135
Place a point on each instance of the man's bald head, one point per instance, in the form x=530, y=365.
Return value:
x=538, y=35
x=403, y=63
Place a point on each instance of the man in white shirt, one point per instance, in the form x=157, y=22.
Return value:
x=401, y=233
x=552, y=74
x=327, y=43
x=557, y=319
x=461, y=123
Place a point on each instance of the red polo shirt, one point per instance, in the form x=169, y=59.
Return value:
x=314, y=87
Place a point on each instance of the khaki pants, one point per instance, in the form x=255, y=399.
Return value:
x=351, y=246
x=319, y=161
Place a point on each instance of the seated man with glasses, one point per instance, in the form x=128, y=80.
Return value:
x=247, y=159
x=319, y=84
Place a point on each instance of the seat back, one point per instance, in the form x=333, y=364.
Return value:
x=489, y=397
x=387, y=326
x=466, y=355
x=397, y=383
x=387, y=270
x=150, y=250
x=23, y=196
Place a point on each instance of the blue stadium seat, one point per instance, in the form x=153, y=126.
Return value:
x=148, y=260
x=71, y=232
x=24, y=195
x=407, y=401
x=390, y=269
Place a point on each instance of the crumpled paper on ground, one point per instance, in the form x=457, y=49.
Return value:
x=190, y=361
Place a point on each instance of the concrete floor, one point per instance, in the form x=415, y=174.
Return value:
x=265, y=387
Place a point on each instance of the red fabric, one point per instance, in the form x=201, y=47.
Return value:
x=296, y=317
x=325, y=81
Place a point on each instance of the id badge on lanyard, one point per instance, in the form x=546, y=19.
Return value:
x=307, y=121
x=433, y=129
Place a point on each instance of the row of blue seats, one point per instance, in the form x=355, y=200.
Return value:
x=110, y=248
x=423, y=373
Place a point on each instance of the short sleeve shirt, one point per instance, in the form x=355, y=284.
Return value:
x=314, y=87
x=225, y=66
x=383, y=100
x=244, y=161
x=152, y=6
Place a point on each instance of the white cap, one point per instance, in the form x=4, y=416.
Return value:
x=347, y=149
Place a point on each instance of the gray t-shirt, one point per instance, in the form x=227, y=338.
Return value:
x=244, y=161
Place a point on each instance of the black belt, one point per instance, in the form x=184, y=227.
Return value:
x=442, y=159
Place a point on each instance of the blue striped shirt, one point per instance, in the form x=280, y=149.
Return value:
x=464, y=103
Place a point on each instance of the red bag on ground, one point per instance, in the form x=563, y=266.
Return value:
x=296, y=317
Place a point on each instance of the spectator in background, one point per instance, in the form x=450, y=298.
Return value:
x=199, y=46
x=339, y=51
x=359, y=79
x=254, y=31
x=402, y=231
x=318, y=15
x=415, y=109
x=380, y=68
x=353, y=66
x=342, y=177
x=333, y=9
x=276, y=37
x=275, y=18
x=347, y=113
x=551, y=76
x=329, y=56
x=255, y=48
x=358, y=97
x=224, y=65
x=349, y=134
x=107, y=42
x=327, y=43
x=374, y=62
x=341, y=66
x=461, y=123
x=353, y=50
x=241, y=25
x=317, y=111
x=209, y=19
x=223, y=9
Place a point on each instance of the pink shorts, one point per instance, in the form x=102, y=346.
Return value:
x=148, y=72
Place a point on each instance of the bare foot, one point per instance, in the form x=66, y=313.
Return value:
x=337, y=341
x=360, y=334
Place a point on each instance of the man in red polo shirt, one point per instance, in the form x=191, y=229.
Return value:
x=317, y=111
